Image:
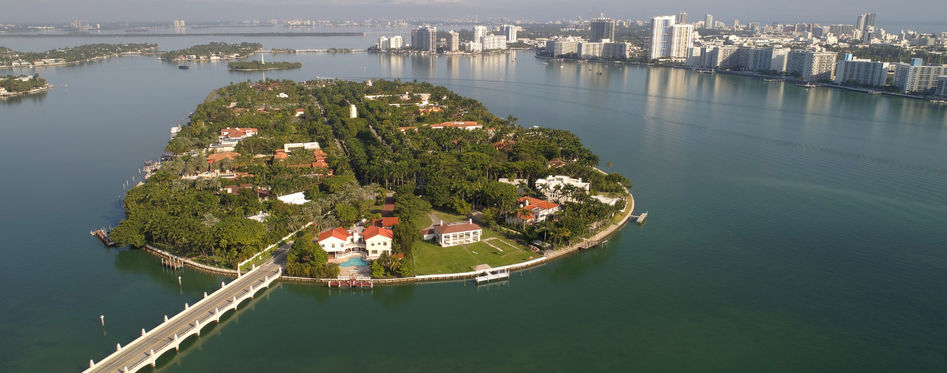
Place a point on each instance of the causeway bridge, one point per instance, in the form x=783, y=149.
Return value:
x=169, y=335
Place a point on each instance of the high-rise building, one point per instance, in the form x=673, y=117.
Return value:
x=861, y=71
x=424, y=38
x=453, y=41
x=709, y=21
x=603, y=29
x=390, y=42
x=179, y=25
x=589, y=49
x=561, y=47
x=917, y=79
x=682, y=39
x=864, y=22
x=493, y=42
x=509, y=31
x=662, y=35
x=478, y=33
x=940, y=88
x=811, y=66
x=618, y=51
x=682, y=17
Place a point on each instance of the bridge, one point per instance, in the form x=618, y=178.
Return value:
x=169, y=335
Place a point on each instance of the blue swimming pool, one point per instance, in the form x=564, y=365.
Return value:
x=354, y=261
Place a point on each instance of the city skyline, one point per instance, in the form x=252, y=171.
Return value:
x=234, y=10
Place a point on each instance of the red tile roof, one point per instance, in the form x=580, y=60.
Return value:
x=339, y=233
x=221, y=156
x=457, y=124
x=374, y=231
x=454, y=228
x=236, y=133
x=386, y=222
x=532, y=203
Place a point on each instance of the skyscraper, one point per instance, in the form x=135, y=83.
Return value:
x=478, y=33
x=662, y=35
x=682, y=39
x=709, y=21
x=453, y=41
x=602, y=29
x=424, y=38
x=865, y=21
x=682, y=17
x=509, y=31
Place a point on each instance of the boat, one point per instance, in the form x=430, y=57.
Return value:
x=771, y=79
x=184, y=67
x=939, y=101
x=807, y=85
x=873, y=92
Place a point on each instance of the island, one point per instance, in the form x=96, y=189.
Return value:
x=263, y=66
x=10, y=58
x=214, y=51
x=11, y=85
x=371, y=180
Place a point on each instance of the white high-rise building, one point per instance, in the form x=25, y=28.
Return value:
x=478, y=33
x=861, y=71
x=424, y=38
x=709, y=21
x=589, y=49
x=509, y=31
x=396, y=42
x=453, y=41
x=811, y=66
x=916, y=78
x=620, y=51
x=682, y=39
x=662, y=35
x=493, y=42
x=560, y=47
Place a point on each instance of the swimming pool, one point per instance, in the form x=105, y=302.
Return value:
x=354, y=261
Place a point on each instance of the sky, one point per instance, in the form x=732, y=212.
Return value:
x=766, y=11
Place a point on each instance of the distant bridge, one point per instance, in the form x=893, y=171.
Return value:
x=146, y=349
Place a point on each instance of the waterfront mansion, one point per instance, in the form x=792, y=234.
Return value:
x=341, y=242
x=454, y=234
x=559, y=187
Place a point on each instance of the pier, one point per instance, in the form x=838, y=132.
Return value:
x=487, y=276
x=640, y=218
x=145, y=350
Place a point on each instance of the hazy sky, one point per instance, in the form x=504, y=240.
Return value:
x=844, y=11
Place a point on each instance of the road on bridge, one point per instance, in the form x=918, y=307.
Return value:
x=138, y=353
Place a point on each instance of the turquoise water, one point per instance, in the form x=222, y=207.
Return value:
x=355, y=261
x=788, y=230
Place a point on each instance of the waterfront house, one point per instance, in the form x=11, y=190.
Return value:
x=373, y=241
x=304, y=145
x=300, y=112
x=532, y=211
x=457, y=234
x=377, y=241
x=464, y=125
x=559, y=187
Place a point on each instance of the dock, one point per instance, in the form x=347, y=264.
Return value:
x=640, y=218
x=103, y=236
x=487, y=276
x=351, y=283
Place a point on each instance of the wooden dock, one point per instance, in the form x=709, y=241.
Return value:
x=103, y=236
x=640, y=218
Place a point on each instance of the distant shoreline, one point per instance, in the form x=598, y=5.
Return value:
x=171, y=35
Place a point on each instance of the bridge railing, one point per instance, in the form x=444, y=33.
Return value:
x=174, y=341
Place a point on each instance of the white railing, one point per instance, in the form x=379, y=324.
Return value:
x=268, y=248
x=174, y=341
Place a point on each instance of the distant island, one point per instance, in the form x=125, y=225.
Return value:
x=11, y=85
x=261, y=66
x=381, y=180
x=10, y=58
x=214, y=51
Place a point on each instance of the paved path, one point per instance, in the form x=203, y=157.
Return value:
x=146, y=349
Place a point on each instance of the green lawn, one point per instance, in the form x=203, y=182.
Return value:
x=432, y=259
x=448, y=217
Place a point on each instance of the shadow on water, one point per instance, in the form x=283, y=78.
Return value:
x=581, y=262
x=37, y=97
x=386, y=295
x=139, y=262
x=195, y=343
